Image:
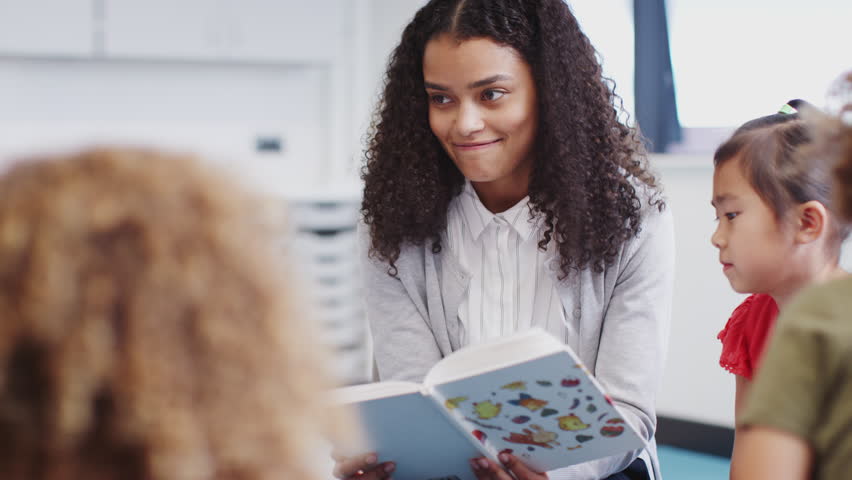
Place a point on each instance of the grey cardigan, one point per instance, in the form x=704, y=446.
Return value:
x=623, y=315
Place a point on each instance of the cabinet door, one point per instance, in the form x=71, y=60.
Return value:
x=47, y=28
x=289, y=31
x=174, y=29
x=285, y=31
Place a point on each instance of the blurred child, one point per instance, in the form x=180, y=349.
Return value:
x=796, y=422
x=775, y=232
x=146, y=332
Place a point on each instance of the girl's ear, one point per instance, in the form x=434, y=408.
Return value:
x=811, y=221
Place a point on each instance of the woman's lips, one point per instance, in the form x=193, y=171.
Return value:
x=475, y=145
x=727, y=266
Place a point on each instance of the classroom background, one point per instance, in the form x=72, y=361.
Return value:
x=280, y=93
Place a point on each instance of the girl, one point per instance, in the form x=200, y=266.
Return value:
x=501, y=192
x=775, y=232
x=796, y=423
x=145, y=333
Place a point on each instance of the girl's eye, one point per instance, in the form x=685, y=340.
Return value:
x=439, y=99
x=731, y=215
x=491, y=95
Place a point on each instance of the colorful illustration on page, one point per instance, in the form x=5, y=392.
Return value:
x=535, y=435
x=546, y=415
x=528, y=402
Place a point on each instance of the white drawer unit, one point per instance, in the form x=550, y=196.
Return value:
x=324, y=246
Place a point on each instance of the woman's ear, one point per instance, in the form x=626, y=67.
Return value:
x=811, y=221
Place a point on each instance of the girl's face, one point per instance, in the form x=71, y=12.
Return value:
x=754, y=249
x=482, y=108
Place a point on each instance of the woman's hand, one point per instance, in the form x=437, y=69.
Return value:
x=485, y=469
x=362, y=467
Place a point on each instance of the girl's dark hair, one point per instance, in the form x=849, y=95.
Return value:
x=589, y=175
x=773, y=154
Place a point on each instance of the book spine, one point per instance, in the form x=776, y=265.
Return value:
x=437, y=400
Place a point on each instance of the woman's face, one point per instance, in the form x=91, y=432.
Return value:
x=482, y=108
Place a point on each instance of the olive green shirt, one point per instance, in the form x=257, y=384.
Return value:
x=804, y=384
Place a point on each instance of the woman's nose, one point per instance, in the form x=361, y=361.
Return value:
x=469, y=120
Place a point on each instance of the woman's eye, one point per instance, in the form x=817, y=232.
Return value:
x=491, y=95
x=440, y=99
x=731, y=215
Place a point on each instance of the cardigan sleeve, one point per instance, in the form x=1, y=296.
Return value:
x=634, y=337
x=404, y=347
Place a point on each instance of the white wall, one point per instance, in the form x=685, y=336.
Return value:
x=694, y=386
x=214, y=109
x=221, y=76
x=380, y=25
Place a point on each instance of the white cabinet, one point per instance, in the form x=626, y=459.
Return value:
x=56, y=28
x=325, y=249
x=294, y=31
x=178, y=29
x=286, y=31
x=267, y=31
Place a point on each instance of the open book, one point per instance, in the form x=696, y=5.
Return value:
x=527, y=393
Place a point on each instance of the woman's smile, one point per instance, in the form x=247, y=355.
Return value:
x=469, y=146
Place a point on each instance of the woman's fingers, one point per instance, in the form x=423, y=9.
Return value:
x=480, y=468
x=520, y=469
x=346, y=467
x=381, y=471
x=386, y=469
x=485, y=469
x=337, y=455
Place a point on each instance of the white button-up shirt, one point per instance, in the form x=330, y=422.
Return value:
x=510, y=288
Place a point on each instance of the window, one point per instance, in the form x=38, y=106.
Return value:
x=736, y=60
x=732, y=60
x=609, y=26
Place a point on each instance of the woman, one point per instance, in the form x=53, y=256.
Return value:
x=501, y=192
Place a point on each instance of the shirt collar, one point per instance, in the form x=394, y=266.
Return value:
x=477, y=217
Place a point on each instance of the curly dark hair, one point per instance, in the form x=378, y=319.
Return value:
x=587, y=167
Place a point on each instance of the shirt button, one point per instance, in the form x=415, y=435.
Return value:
x=577, y=313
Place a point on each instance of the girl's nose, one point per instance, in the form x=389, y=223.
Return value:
x=718, y=239
x=469, y=120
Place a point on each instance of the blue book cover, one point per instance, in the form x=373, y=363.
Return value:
x=527, y=394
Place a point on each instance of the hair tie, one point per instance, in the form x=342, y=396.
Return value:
x=787, y=109
x=792, y=106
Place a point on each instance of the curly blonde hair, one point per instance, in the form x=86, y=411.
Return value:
x=146, y=332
